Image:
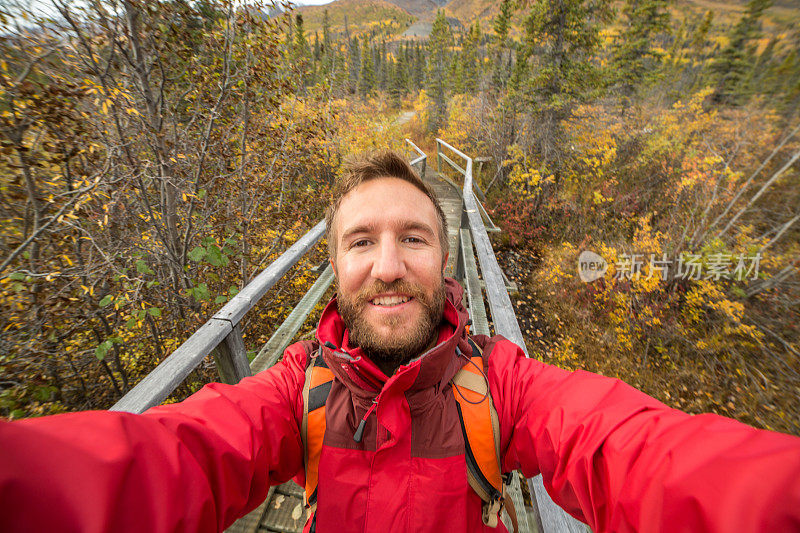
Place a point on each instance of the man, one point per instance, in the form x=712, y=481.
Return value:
x=393, y=453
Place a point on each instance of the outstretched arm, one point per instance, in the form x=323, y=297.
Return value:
x=622, y=461
x=193, y=466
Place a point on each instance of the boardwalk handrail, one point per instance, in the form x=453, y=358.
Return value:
x=550, y=517
x=223, y=327
x=420, y=162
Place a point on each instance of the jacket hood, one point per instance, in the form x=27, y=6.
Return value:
x=433, y=368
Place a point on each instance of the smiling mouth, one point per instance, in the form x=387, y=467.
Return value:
x=390, y=301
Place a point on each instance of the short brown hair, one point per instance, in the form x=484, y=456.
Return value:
x=374, y=165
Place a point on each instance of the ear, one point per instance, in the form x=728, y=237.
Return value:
x=333, y=266
x=444, y=261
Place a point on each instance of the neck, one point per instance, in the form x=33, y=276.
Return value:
x=389, y=365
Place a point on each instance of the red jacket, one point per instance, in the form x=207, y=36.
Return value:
x=609, y=454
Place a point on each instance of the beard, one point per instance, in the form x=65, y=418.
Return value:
x=404, y=344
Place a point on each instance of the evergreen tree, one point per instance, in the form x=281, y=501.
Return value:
x=366, y=78
x=470, y=63
x=327, y=53
x=354, y=62
x=556, y=67
x=633, y=54
x=418, y=69
x=326, y=31
x=301, y=50
x=501, y=55
x=731, y=67
x=437, y=71
x=382, y=66
x=397, y=87
x=700, y=37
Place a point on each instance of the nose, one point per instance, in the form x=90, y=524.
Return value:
x=389, y=264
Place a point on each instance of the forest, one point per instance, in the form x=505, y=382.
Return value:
x=156, y=155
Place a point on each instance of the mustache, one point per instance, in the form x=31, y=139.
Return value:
x=364, y=295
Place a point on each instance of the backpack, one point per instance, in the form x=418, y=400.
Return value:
x=479, y=424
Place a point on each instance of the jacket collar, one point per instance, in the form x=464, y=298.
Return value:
x=434, y=367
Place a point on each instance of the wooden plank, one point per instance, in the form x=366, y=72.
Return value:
x=240, y=304
x=514, y=492
x=477, y=311
x=249, y=523
x=273, y=349
x=231, y=358
x=158, y=384
x=283, y=507
x=551, y=518
x=449, y=196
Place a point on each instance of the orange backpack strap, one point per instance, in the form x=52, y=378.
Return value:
x=481, y=428
x=318, y=383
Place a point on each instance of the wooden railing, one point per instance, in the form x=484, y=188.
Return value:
x=549, y=516
x=420, y=161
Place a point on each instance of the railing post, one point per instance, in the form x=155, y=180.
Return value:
x=231, y=358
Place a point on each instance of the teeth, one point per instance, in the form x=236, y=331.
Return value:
x=390, y=301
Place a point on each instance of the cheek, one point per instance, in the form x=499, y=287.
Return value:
x=351, y=274
x=429, y=270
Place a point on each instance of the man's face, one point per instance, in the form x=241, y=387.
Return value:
x=389, y=269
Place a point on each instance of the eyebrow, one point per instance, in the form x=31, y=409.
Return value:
x=401, y=225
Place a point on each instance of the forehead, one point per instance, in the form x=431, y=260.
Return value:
x=383, y=202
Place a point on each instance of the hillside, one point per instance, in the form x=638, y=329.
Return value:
x=367, y=14
x=468, y=11
x=420, y=8
x=360, y=15
x=782, y=16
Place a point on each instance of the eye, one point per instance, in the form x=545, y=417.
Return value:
x=359, y=243
x=414, y=240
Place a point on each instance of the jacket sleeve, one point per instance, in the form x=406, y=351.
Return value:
x=192, y=466
x=620, y=460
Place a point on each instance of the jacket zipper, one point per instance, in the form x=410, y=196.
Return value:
x=361, y=425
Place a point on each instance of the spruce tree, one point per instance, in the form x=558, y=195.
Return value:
x=301, y=50
x=731, y=67
x=418, y=70
x=500, y=54
x=438, y=68
x=366, y=78
x=556, y=68
x=327, y=53
x=633, y=54
x=470, y=64
x=397, y=83
x=354, y=62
